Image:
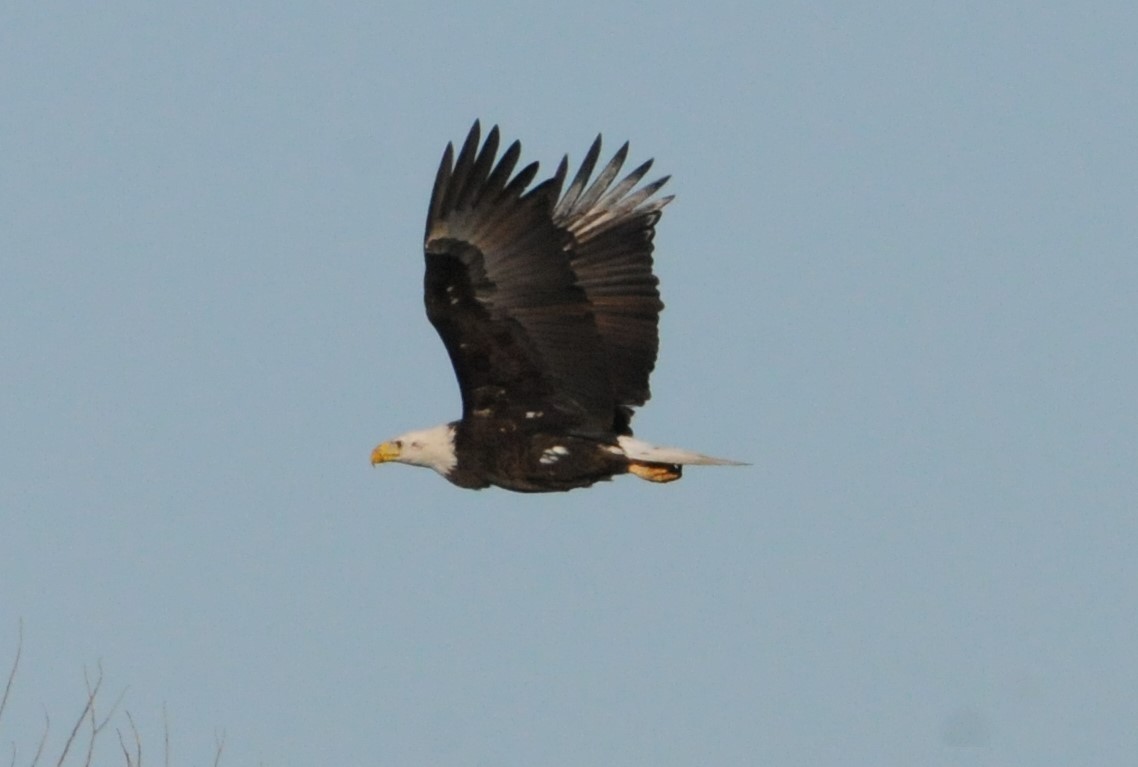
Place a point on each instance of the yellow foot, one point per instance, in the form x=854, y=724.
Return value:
x=655, y=472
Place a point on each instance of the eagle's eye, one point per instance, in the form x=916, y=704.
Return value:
x=416, y=445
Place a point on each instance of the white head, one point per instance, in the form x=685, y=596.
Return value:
x=433, y=448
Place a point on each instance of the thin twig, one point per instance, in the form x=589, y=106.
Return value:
x=43, y=739
x=123, y=748
x=94, y=729
x=220, y=747
x=135, y=761
x=96, y=726
x=87, y=709
x=12, y=672
x=137, y=740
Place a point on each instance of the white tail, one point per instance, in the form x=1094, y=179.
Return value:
x=639, y=450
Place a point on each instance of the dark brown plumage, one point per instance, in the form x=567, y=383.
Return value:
x=560, y=295
x=548, y=308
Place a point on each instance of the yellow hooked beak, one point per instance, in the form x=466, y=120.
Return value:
x=388, y=451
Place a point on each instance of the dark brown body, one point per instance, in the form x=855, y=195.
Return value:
x=495, y=452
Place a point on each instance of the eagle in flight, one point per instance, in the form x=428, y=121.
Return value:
x=547, y=305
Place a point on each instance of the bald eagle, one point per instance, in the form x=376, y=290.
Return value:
x=548, y=308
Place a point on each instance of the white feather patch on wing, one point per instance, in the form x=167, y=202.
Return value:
x=553, y=454
x=640, y=450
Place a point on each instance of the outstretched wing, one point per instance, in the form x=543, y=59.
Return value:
x=612, y=229
x=503, y=296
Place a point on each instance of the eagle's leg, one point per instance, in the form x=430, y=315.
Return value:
x=655, y=472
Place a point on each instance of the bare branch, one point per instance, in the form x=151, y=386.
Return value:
x=98, y=726
x=220, y=747
x=89, y=726
x=94, y=728
x=43, y=739
x=88, y=711
x=125, y=751
x=137, y=740
x=136, y=760
x=12, y=672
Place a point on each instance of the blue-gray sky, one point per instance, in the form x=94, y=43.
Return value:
x=901, y=280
